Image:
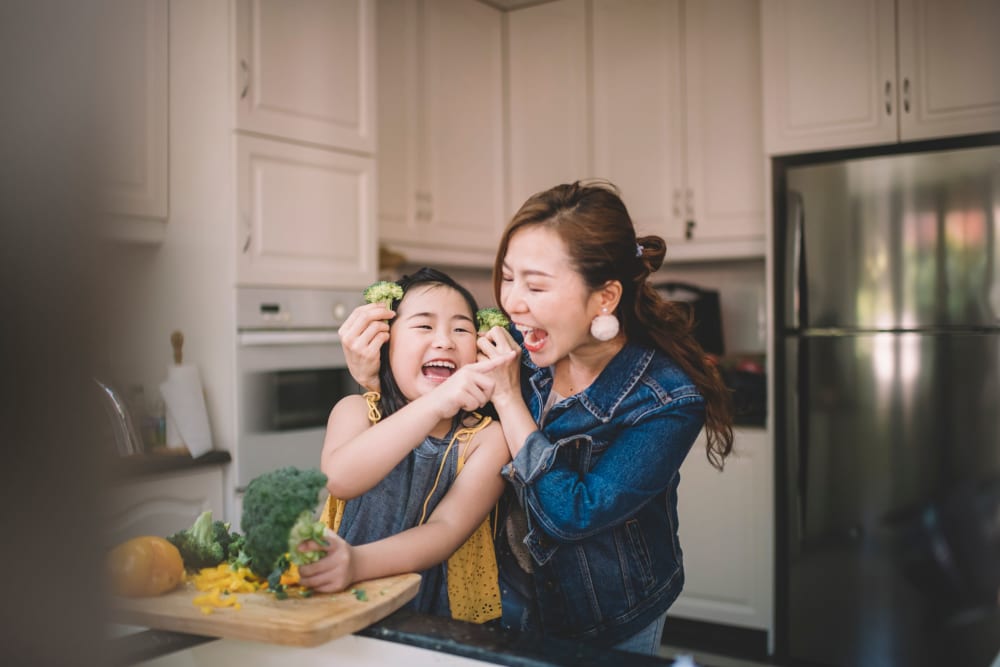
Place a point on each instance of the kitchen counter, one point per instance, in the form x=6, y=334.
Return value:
x=166, y=461
x=443, y=635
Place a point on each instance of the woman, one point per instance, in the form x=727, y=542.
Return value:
x=610, y=394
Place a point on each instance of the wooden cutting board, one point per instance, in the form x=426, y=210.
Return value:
x=294, y=621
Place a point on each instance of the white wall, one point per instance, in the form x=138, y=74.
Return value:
x=188, y=281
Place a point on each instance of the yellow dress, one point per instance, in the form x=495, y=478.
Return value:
x=473, y=587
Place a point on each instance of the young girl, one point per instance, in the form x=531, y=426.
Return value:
x=396, y=459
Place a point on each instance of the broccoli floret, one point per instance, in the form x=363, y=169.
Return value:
x=487, y=318
x=384, y=292
x=204, y=544
x=271, y=506
x=306, y=527
x=236, y=554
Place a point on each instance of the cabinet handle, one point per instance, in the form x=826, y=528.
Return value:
x=906, y=95
x=689, y=230
x=888, y=98
x=689, y=202
x=677, y=202
x=245, y=71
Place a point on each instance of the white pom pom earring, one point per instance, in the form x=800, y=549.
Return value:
x=604, y=326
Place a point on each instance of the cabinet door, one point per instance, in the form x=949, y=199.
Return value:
x=829, y=74
x=724, y=197
x=948, y=56
x=549, y=104
x=638, y=109
x=305, y=71
x=164, y=504
x=726, y=531
x=441, y=151
x=134, y=106
x=461, y=143
x=306, y=216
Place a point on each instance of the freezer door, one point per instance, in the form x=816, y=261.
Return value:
x=876, y=426
x=899, y=242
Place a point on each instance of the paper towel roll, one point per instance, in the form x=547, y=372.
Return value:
x=187, y=416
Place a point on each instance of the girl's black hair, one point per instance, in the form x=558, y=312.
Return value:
x=392, y=398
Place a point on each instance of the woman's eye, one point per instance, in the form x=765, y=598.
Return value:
x=464, y=330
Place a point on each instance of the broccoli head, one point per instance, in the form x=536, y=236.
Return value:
x=383, y=292
x=487, y=318
x=204, y=544
x=271, y=506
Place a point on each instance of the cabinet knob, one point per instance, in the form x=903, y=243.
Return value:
x=689, y=230
x=245, y=73
x=906, y=95
x=888, y=98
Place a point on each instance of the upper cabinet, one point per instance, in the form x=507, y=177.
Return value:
x=134, y=107
x=548, y=100
x=306, y=216
x=305, y=143
x=662, y=98
x=440, y=121
x=864, y=72
x=306, y=71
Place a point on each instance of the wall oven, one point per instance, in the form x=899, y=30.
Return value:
x=290, y=372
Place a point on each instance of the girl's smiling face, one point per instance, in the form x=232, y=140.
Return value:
x=432, y=336
x=547, y=300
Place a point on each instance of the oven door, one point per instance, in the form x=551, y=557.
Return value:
x=288, y=381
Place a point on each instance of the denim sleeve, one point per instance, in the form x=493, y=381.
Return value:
x=639, y=464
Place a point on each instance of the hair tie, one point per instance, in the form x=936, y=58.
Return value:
x=638, y=250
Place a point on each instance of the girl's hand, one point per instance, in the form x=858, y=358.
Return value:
x=362, y=335
x=332, y=573
x=498, y=343
x=470, y=388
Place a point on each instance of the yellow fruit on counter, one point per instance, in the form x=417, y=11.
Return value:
x=145, y=566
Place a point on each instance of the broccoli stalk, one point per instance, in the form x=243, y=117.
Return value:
x=204, y=544
x=272, y=505
x=487, y=318
x=383, y=292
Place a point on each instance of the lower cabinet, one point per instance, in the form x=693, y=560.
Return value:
x=164, y=503
x=726, y=533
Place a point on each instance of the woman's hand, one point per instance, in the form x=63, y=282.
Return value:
x=498, y=343
x=362, y=335
x=332, y=573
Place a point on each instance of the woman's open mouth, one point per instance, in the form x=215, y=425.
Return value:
x=534, y=338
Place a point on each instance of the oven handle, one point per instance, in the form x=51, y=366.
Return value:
x=254, y=338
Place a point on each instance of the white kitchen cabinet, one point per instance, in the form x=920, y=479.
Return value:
x=547, y=95
x=663, y=99
x=305, y=71
x=869, y=72
x=441, y=151
x=134, y=106
x=306, y=216
x=164, y=503
x=726, y=529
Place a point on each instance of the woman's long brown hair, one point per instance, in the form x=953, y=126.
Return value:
x=593, y=222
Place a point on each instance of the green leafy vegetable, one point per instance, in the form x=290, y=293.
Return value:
x=383, y=292
x=487, y=318
x=204, y=544
x=272, y=505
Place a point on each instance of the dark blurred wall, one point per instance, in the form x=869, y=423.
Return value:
x=53, y=465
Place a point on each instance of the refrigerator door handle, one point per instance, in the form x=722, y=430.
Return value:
x=795, y=262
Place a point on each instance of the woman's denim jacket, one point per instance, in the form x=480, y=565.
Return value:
x=599, y=486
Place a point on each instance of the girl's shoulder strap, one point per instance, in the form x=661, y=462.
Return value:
x=372, y=398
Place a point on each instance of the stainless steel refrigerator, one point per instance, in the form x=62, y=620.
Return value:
x=888, y=408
